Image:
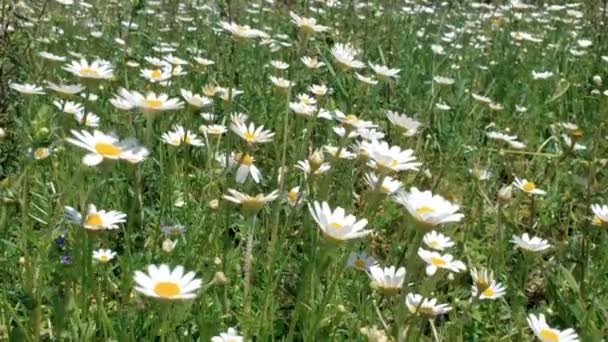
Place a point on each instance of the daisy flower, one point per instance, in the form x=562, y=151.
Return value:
x=352, y=122
x=436, y=261
x=95, y=220
x=311, y=62
x=345, y=56
x=384, y=73
x=69, y=107
x=541, y=75
x=157, y=74
x=600, y=214
x=250, y=202
x=97, y=70
x=365, y=79
x=387, y=158
x=294, y=196
x=534, y=244
x=87, y=119
x=51, y=57
x=311, y=169
x=251, y=134
x=389, y=185
x=103, y=255
x=203, y=61
x=242, y=31
x=406, y=124
x=319, y=89
x=41, y=153
x=426, y=307
x=150, y=103
x=229, y=336
x=511, y=140
x=246, y=168
x=484, y=286
x=335, y=225
x=163, y=283
x=388, y=279
x=428, y=209
x=179, y=136
x=437, y=241
x=213, y=130
x=307, y=25
x=280, y=82
x=27, y=88
x=528, y=187
x=103, y=146
x=361, y=261
x=65, y=89
x=303, y=109
x=547, y=334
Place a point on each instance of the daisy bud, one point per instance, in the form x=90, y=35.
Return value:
x=316, y=159
x=220, y=278
x=2, y=133
x=21, y=260
x=217, y=261
x=505, y=194
x=597, y=80
x=214, y=204
x=169, y=245
x=595, y=92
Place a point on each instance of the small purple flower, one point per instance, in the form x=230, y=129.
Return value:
x=60, y=241
x=66, y=259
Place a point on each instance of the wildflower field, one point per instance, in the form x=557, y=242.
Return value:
x=319, y=170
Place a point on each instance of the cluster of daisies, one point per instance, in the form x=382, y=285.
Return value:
x=356, y=139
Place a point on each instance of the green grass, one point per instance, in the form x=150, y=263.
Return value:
x=299, y=286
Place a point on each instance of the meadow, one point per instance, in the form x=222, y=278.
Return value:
x=318, y=170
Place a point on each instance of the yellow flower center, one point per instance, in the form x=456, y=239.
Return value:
x=359, y=264
x=549, y=335
x=597, y=221
x=488, y=292
x=247, y=160
x=167, y=289
x=433, y=244
x=107, y=149
x=88, y=72
x=423, y=209
x=156, y=74
x=438, y=261
x=154, y=103
x=93, y=220
x=104, y=258
x=209, y=90
x=528, y=186
x=350, y=118
x=249, y=136
x=41, y=153
x=292, y=196
x=336, y=225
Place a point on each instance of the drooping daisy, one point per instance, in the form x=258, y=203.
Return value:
x=307, y=25
x=385, y=158
x=242, y=31
x=389, y=185
x=406, y=124
x=311, y=62
x=534, y=244
x=294, y=196
x=94, y=219
x=311, y=169
x=97, y=70
x=279, y=65
x=511, y=140
x=51, y=56
x=361, y=261
x=547, y=334
x=246, y=168
x=228, y=94
x=437, y=241
x=163, y=283
x=388, y=279
x=352, y=122
x=250, y=202
x=178, y=136
x=280, y=82
x=436, y=261
x=528, y=187
x=103, y=146
x=541, y=75
x=426, y=307
x=251, y=134
x=345, y=56
x=229, y=336
x=336, y=225
x=87, y=119
x=104, y=255
x=369, y=80
x=484, y=286
x=27, y=88
x=150, y=103
x=337, y=152
x=303, y=109
x=384, y=73
x=213, y=130
x=203, y=61
x=428, y=209
x=600, y=214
